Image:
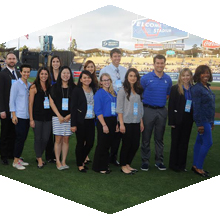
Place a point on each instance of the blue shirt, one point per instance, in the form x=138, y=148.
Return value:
x=156, y=89
x=102, y=103
x=111, y=70
x=203, y=104
x=19, y=96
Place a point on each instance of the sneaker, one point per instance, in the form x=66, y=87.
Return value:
x=145, y=167
x=23, y=163
x=160, y=166
x=18, y=166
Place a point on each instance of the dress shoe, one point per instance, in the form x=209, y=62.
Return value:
x=5, y=162
x=134, y=170
x=82, y=170
x=115, y=162
x=194, y=169
x=202, y=174
x=105, y=172
x=130, y=173
x=60, y=168
x=51, y=161
x=40, y=167
x=86, y=168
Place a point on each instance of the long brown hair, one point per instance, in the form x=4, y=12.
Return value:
x=94, y=77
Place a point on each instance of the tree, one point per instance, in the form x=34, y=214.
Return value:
x=23, y=48
x=195, y=46
x=73, y=45
x=2, y=45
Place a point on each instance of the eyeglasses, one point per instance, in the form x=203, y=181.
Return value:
x=105, y=80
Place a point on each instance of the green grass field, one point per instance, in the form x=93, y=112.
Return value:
x=121, y=191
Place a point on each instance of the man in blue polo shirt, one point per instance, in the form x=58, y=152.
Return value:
x=156, y=85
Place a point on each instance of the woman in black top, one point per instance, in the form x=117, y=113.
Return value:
x=40, y=112
x=83, y=117
x=60, y=98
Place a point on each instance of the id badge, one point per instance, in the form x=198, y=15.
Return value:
x=65, y=104
x=188, y=105
x=113, y=107
x=13, y=81
x=135, y=109
x=46, y=103
x=89, y=111
x=118, y=84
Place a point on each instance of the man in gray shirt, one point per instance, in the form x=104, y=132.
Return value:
x=117, y=74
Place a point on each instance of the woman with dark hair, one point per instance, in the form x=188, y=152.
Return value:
x=203, y=114
x=40, y=112
x=55, y=65
x=105, y=105
x=60, y=102
x=180, y=118
x=90, y=66
x=130, y=113
x=83, y=117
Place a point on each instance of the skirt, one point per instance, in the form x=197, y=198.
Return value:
x=61, y=129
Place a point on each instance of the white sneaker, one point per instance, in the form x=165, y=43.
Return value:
x=18, y=166
x=23, y=163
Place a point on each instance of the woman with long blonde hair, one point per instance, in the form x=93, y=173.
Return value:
x=180, y=118
x=104, y=107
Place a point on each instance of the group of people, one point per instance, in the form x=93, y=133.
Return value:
x=121, y=105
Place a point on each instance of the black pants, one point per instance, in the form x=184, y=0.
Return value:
x=21, y=128
x=7, y=138
x=49, y=151
x=130, y=143
x=85, y=136
x=115, y=146
x=104, y=142
x=179, y=143
x=41, y=135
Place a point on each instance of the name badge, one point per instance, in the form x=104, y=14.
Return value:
x=188, y=105
x=118, y=84
x=89, y=111
x=135, y=109
x=65, y=102
x=46, y=103
x=13, y=81
x=113, y=107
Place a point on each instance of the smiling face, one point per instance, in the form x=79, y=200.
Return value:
x=186, y=77
x=204, y=77
x=43, y=76
x=56, y=63
x=116, y=59
x=132, y=78
x=90, y=67
x=159, y=66
x=105, y=82
x=25, y=73
x=85, y=80
x=65, y=75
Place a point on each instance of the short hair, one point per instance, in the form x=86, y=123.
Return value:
x=201, y=70
x=115, y=50
x=25, y=65
x=160, y=57
x=10, y=52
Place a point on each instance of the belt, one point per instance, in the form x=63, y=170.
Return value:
x=153, y=107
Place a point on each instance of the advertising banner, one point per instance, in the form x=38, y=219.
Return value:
x=210, y=44
x=110, y=43
x=153, y=31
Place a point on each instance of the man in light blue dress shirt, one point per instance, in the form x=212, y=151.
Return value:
x=19, y=101
x=117, y=74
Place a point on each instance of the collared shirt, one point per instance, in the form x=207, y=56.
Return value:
x=102, y=103
x=112, y=71
x=12, y=73
x=203, y=104
x=19, y=99
x=156, y=89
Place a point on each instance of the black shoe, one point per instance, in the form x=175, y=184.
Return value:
x=116, y=163
x=5, y=162
x=106, y=172
x=51, y=161
x=40, y=167
x=134, y=170
x=130, y=173
x=194, y=169
x=86, y=168
x=82, y=170
x=202, y=174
